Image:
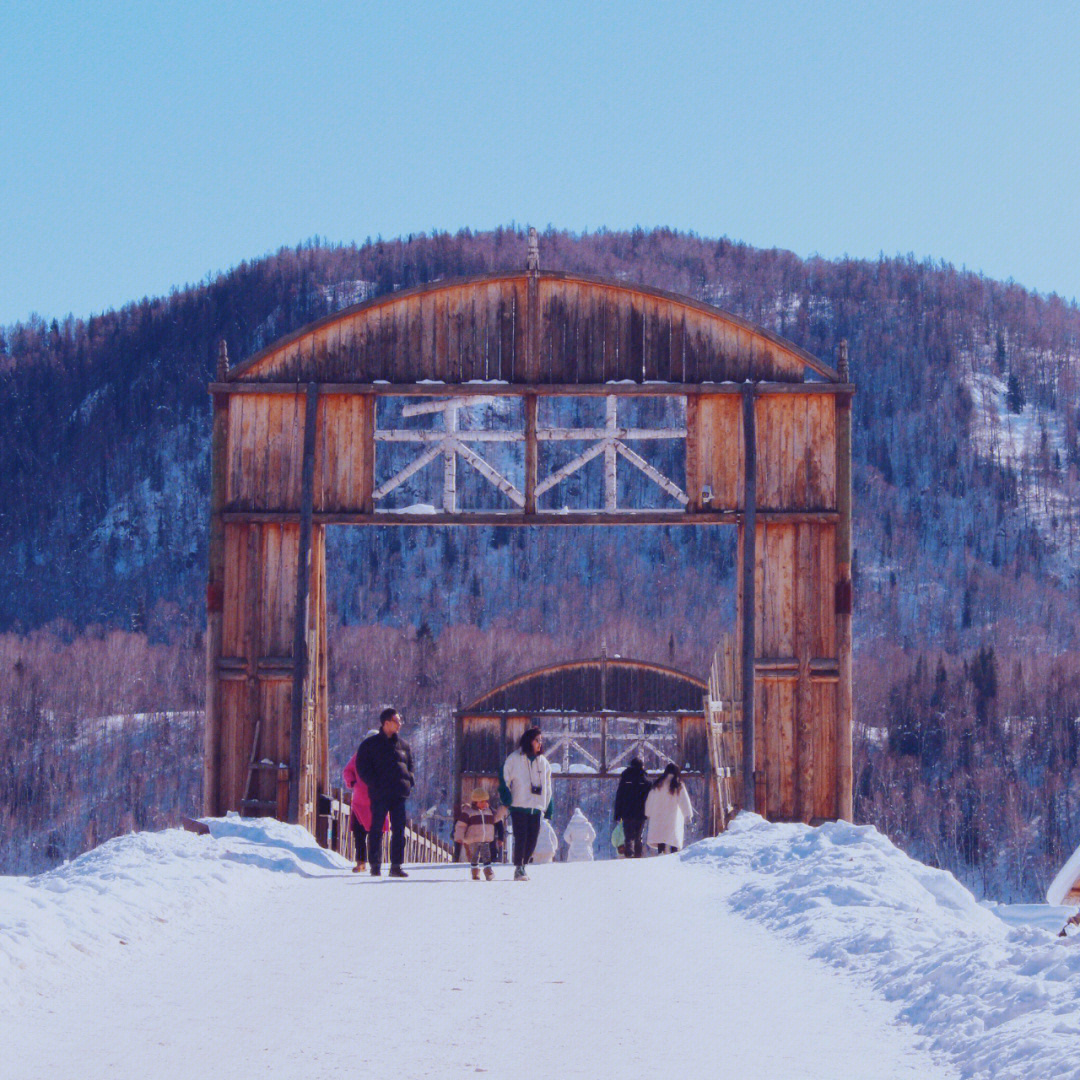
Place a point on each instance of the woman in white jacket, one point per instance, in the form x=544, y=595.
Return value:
x=526, y=789
x=668, y=809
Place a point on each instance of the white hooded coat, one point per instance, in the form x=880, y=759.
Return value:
x=579, y=836
x=667, y=815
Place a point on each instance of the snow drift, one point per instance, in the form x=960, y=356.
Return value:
x=134, y=886
x=1001, y=1001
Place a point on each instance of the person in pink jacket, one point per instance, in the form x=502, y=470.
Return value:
x=360, y=814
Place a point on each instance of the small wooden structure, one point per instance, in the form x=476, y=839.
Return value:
x=331, y=424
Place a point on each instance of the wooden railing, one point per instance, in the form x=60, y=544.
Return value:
x=421, y=845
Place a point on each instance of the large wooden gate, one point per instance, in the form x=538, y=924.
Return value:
x=328, y=425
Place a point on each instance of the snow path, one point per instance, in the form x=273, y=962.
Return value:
x=628, y=969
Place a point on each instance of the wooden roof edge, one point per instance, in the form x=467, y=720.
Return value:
x=567, y=665
x=816, y=365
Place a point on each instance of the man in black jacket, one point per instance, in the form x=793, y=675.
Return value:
x=385, y=763
x=633, y=790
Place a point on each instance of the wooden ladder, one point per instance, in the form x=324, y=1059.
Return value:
x=254, y=807
x=723, y=721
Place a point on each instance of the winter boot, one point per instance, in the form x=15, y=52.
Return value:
x=376, y=871
x=396, y=871
x=519, y=874
x=489, y=874
x=476, y=873
x=360, y=867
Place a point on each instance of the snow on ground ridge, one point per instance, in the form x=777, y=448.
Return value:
x=131, y=888
x=1000, y=1001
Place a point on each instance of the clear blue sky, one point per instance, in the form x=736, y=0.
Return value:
x=148, y=144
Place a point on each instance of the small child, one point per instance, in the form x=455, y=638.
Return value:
x=475, y=831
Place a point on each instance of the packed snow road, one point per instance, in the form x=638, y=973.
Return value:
x=628, y=970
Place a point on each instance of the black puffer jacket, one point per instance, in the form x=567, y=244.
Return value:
x=633, y=790
x=385, y=764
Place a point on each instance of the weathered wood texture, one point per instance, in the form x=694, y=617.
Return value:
x=796, y=669
x=587, y=331
x=591, y=686
x=256, y=667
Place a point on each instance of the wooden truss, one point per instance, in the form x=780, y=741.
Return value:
x=604, y=745
x=453, y=443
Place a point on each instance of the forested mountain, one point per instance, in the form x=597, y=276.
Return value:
x=967, y=451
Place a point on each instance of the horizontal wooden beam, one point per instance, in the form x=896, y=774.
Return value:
x=479, y=775
x=500, y=389
x=658, y=716
x=519, y=518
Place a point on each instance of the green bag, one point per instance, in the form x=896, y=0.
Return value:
x=618, y=835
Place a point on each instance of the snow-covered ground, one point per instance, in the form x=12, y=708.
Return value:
x=774, y=951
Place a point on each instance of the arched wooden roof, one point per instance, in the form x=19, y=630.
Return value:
x=531, y=328
x=593, y=686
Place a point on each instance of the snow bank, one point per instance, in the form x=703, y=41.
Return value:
x=1001, y=1001
x=132, y=889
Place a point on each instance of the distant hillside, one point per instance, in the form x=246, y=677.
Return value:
x=966, y=435
x=967, y=462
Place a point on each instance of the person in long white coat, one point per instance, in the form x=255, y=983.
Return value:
x=579, y=836
x=668, y=809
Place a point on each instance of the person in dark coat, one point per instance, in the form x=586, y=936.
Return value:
x=385, y=763
x=633, y=790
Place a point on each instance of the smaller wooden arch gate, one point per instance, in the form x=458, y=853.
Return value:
x=296, y=440
x=596, y=714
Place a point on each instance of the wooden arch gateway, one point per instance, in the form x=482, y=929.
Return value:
x=722, y=422
x=596, y=715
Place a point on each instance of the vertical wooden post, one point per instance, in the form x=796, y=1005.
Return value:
x=321, y=675
x=845, y=697
x=532, y=311
x=367, y=502
x=693, y=454
x=531, y=452
x=303, y=574
x=749, y=601
x=215, y=591
x=459, y=733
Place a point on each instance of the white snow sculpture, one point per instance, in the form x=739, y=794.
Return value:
x=579, y=836
x=547, y=843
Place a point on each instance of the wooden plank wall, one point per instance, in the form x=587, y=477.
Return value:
x=714, y=451
x=796, y=451
x=587, y=332
x=795, y=631
x=345, y=453
x=256, y=663
x=265, y=451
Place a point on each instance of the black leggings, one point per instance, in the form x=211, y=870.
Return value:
x=632, y=837
x=526, y=832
